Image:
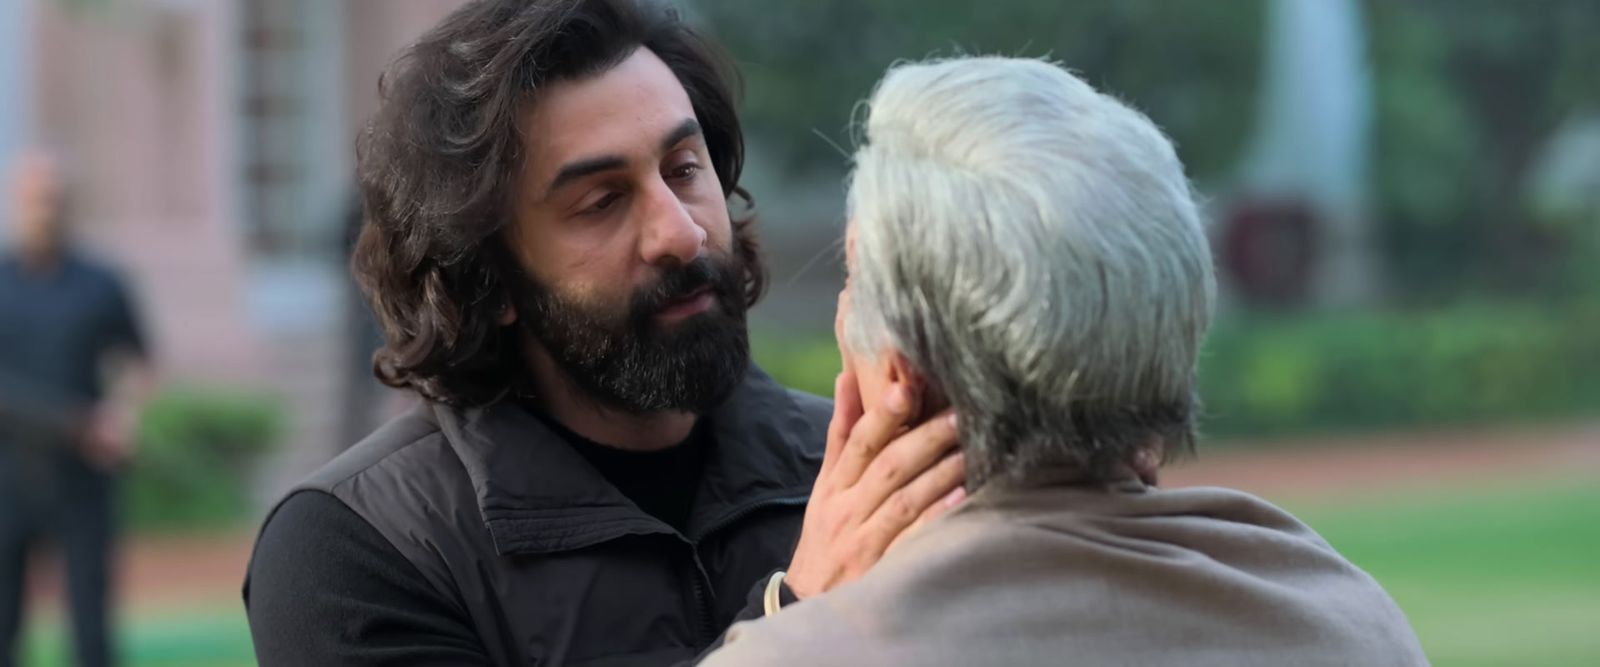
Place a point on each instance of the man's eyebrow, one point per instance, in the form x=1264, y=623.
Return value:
x=573, y=171
x=688, y=128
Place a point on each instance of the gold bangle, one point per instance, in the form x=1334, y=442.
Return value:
x=770, y=600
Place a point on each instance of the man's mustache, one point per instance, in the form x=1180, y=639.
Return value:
x=679, y=282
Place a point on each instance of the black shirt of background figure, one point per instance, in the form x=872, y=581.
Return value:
x=57, y=326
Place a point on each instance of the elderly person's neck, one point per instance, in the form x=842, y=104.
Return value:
x=1135, y=472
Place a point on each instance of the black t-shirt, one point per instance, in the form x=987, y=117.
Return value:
x=57, y=326
x=662, y=483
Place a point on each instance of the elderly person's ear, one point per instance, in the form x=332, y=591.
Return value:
x=928, y=399
x=896, y=370
x=878, y=375
x=1147, y=463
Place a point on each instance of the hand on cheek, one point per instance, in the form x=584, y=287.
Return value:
x=883, y=476
x=839, y=316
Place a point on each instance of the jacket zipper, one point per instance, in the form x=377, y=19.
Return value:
x=702, y=580
x=705, y=629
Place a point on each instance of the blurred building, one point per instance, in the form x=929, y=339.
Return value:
x=211, y=144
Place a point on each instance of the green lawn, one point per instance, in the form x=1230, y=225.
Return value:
x=1498, y=576
x=1508, y=575
x=215, y=637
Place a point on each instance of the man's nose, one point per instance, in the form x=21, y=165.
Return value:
x=670, y=234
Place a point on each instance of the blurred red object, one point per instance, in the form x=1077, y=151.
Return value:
x=1269, y=250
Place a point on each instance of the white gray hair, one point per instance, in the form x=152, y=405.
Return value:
x=1035, y=251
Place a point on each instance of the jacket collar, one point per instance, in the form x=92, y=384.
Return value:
x=538, y=495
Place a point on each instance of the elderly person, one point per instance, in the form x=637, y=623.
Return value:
x=1028, y=251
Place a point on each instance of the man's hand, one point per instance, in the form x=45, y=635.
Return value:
x=108, y=438
x=879, y=481
x=110, y=435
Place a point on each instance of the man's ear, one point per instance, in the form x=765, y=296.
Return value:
x=505, y=270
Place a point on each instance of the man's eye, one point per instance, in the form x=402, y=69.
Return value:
x=604, y=203
x=684, y=172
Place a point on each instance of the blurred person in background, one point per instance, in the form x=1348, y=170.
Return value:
x=72, y=372
x=1028, y=251
x=597, y=474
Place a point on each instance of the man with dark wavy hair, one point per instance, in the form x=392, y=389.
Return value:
x=596, y=474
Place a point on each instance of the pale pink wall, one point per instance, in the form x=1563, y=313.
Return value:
x=377, y=31
x=127, y=91
x=144, y=97
x=141, y=101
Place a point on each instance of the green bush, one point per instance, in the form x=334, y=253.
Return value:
x=1466, y=365
x=1269, y=376
x=197, y=450
x=808, y=363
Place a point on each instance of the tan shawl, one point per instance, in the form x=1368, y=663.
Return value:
x=1096, y=576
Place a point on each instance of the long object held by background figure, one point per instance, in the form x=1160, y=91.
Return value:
x=54, y=415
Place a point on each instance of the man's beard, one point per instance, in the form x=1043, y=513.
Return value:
x=629, y=361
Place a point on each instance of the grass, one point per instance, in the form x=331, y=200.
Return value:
x=214, y=637
x=1508, y=575
x=1493, y=576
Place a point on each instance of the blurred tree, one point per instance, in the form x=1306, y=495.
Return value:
x=1469, y=92
x=1192, y=64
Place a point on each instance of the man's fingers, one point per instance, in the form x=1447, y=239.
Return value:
x=907, y=457
x=912, y=501
x=846, y=412
x=872, y=433
x=925, y=496
x=949, y=502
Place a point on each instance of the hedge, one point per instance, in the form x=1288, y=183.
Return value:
x=1266, y=376
x=197, y=451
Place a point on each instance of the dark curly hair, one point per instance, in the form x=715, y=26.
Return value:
x=438, y=162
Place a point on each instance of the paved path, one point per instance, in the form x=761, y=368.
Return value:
x=1338, y=468
x=171, y=573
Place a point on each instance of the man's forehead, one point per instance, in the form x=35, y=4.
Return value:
x=626, y=108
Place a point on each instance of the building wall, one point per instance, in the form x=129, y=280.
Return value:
x=16, y=70
x=376, y=31
x=166, y=109
x=136, y=95
x=320, y=363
